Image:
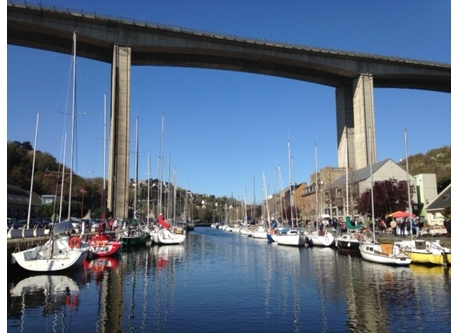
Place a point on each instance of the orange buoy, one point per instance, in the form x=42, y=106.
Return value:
x=74, y=242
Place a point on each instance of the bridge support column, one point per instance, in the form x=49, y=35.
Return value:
x=356, y=123
x=118, y=170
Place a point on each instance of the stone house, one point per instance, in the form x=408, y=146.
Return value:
x=279, y=203
x=313, y=195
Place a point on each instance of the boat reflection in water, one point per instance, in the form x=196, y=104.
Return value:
x=98, y=266
x=57, y=296
x=384, y=298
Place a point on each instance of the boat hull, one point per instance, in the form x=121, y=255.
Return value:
x=104, y=246
x=426, y=252
x=383, y=254
x=347, y=243
x=134, y=237
x=259, y=234
x=418, y=257
x=320, y=239
x=166, y=237
x=52, y=257
x=290, y=240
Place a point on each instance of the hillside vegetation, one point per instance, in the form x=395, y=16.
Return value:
x=438, y=161
x=47, y=169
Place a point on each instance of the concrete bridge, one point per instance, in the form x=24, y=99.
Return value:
x=126, y=43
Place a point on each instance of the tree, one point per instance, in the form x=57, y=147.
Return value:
x=389, y=196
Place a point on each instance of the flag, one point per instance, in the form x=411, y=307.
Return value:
x=163, y=222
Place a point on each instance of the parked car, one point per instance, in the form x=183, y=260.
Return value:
x=18, y=224
x=95, y=225
x=10, y=222
x=76, y=223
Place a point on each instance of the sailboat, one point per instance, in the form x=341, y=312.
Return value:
x=349, y=242
x=260, y=232
x=319, y=237
x=60, y=252
x=135, y=233
x=290, y=236
x=382, y=253
x=419, y=250
x=166, y=234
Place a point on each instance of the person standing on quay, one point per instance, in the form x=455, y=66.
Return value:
x=448, y=226
x=393, y=226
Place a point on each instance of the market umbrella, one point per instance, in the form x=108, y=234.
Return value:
x=401, y=214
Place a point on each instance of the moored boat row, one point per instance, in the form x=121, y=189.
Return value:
x=360, y=242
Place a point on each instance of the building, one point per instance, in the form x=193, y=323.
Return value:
x=426, y=186
x=291, y=193
x=434, y=210
x=313, y=196
x=343, y=193
x=18, y=202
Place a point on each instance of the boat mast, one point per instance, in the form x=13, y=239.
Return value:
x=174, y=199
x=73, y=127
x=136, y=168
x=245, y=217
x=147, y=206
x=254, y=200
x=267, y=199
x=408, y=185
x=290, y=185
x=167, y=193
x=159, y=175
x=186, y=205
x=372, y=186
x=316, y=184
x=282, y=199
x=63, y=179
x=275, y=194
x=104, y=210
x=346, y=175
x=33, y=171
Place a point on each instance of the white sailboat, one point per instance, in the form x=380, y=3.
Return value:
x=290, y=236
x=166, y=234
x=260, y=232
x=319, y=237
x=60, y=252
x=382, y=253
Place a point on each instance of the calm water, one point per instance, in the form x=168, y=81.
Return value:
x=224, y=282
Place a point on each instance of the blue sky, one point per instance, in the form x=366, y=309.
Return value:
x=225, y=130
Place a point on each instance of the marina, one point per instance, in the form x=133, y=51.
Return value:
x=219, y=280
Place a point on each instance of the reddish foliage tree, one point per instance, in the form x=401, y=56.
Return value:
x=389, y=196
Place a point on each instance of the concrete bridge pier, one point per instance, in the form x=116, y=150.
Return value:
x=356, y=123
x=118, y=170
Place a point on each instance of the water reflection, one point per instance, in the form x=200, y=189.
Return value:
x=223, y=281
x=55, y=296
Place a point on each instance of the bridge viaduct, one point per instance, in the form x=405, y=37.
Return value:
x=126, y=43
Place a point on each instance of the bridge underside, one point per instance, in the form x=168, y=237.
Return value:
x=355, y=128
x=126, y=44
